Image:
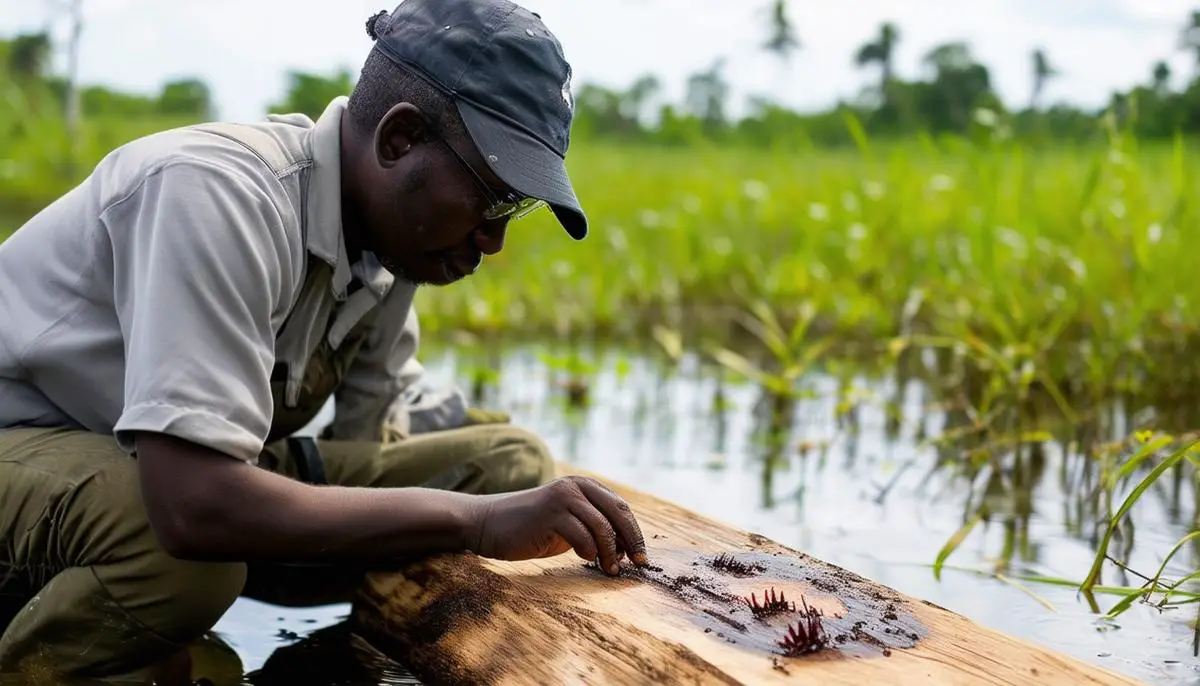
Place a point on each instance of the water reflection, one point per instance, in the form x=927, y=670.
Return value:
x=848, y=471
x=331, y=656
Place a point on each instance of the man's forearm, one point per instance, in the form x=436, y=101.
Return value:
x=207, y=506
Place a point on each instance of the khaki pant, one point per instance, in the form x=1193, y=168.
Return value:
x=85, y=588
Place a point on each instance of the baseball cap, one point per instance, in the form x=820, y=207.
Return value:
x=507, y=75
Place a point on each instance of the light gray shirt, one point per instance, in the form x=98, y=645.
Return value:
x=153, y=296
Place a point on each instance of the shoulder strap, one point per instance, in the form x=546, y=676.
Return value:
x=267, y=147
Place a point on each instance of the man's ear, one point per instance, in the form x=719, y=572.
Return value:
x=399, y=130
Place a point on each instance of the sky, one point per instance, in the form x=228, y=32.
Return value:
x=243, y=48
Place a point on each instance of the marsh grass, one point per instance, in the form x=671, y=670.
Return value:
x=1066, y=267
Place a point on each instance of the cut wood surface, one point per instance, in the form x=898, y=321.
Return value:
x=462, y=619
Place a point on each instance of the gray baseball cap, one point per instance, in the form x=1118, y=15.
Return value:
x=508, y=76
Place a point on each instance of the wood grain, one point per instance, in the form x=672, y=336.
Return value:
x=462, y=619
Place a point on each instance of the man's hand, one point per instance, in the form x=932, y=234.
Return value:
x=568, y=513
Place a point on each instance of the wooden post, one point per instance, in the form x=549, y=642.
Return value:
x=462, y=619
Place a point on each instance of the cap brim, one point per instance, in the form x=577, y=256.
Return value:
x=527, y=165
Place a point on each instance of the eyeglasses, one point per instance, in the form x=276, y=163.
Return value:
x=507, y=205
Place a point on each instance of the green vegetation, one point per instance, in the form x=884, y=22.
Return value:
x=44, y=150
x=1030, y=266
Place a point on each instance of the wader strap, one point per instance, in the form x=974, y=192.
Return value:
x=309, y=462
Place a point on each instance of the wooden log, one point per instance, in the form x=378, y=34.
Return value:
x=462, y=619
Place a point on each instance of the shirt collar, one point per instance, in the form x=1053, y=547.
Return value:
x=323, y=215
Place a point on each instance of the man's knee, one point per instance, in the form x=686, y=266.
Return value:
x=181, y=600
x=104, y=621
x=173, y=605
x=516, y=459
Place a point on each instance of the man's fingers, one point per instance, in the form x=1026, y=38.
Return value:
x=578, y=536
x=617, y=512
x=602, y=533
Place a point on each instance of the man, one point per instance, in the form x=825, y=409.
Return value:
x=170, y=324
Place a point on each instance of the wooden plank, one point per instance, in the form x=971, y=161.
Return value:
x=462, y=619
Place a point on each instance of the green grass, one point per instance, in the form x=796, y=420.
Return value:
x=1071, y=262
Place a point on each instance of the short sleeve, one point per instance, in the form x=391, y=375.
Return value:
x=201, y=265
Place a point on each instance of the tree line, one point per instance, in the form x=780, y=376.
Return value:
x=25, y=64
x=954, y=96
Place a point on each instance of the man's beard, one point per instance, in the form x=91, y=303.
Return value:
x=400, y=273
x=396, y=270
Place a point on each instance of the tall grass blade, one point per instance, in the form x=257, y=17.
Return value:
x=1093, y=576
x=952, y=544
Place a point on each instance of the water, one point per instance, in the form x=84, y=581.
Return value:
x=872, y=505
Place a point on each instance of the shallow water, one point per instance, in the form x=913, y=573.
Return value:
x=874, y=506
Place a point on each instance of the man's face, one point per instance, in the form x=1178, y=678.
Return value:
x=423, y=200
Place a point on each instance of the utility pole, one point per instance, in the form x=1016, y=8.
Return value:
x=75, y=14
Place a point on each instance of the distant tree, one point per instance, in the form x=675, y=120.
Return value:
x=949, y=57
x=607, y=112
x=101, y=102
x=310, y=94
x=186, y=97
x=598, y=112
x=639, y=95
x=678, y=128
x=707, y=93
x=1189, y=37
x=881, y=51
x=29, y=56
x=960, y=84
x=782, y=40
x=637, y=102
x=1161, y=77
x=1042, y=73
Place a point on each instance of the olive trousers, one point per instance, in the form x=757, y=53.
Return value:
x=87, y=591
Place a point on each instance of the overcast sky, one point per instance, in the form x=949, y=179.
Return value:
x=243, y=48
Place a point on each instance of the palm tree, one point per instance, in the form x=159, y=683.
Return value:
x=881, y=51
x=1189, y=38
x=782, y=40
x=1162, y=77
x=1042, y=72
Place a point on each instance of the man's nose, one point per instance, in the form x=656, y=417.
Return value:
x=489, y=237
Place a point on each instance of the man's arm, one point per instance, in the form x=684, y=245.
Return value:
x=205, y=506
x=225, y=509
